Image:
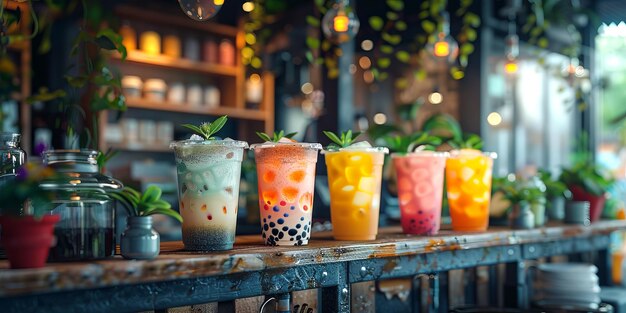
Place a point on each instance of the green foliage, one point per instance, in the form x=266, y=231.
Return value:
x=411, y=142
x=554, y=188
x=104, y=157
x=208, y=129
x=277, y=136
x=519, y=191
x=148, y=203
x=588, y=176
x=444, y=126
x=469, y=141
x=346, y=139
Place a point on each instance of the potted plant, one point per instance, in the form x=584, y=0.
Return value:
x=587, y=182
x=556, y=194
x=527, y=200
x=26, y=223
x=139, y=240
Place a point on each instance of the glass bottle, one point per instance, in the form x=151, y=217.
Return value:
x=86, y=229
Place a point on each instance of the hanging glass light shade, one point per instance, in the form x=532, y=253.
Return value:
x=442, y=45
x=200, y=10
x=340, y=24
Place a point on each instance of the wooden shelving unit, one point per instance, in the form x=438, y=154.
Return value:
x=245, y=114
x=229, y=79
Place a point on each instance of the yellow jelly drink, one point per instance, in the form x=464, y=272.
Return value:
x=286, y=179
x=468, y=179
x=208, y=191
x=354, y=179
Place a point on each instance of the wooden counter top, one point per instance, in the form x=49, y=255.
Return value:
x=250, y=255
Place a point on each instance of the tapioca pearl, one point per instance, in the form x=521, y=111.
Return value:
x=209, y=217
x=280, y=221
x=283, y=203
x=269, y=217
x=293, y=208
x=274, y=231
x=292, y=232
x=286, y=215
x=230, y=155
x=266, y=227
x=266, y=207
x=298, y=226
x=229, y=190
x=272, y=224
x=304, y=207
x=419, y=212
x=302, y=218
x=183, y=188
x=304, y=234
x=205, y=187
x=203, y=207
x=299, y=243
x=298, y=237
x=264, y=220
x=291, y=239
x=281, y=235
x=285, y=228
x=276, y=208
x=225, y=210
x=306, y=227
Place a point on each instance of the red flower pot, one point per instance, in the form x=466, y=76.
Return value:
x=27, y=240
x=596, y=202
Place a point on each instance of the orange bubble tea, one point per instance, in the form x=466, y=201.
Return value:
x=286, y=179
x=354, y=179
x=468, y=179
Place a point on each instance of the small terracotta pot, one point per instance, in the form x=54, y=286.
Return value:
x=596, y=202
x=27, y=240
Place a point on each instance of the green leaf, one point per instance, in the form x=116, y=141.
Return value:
x=264, y=136
x=290, y=135
x=392, y=16
x=471, y=34
x=396, y=5
x=543, y=42
x=403, y=56
x=105, y=43
x=401, y=25
x=386, y=49
x=428, y=26
x=76, y=81
x=313, y=21
x=392, y=39
x=467, y=48
x=384, y=62
x=218, y=124
x=313, y=43
x=376, y=22
x=151, y=194
x=195, y=129
x=333, y=137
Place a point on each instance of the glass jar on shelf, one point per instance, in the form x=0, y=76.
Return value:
x=86, y=229
x=11, y=156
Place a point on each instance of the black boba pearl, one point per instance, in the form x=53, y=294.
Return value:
x=285, y=228
x=291, y=239
x=306, y=227
x=274, y=231
x=298, y=226
x=302, y=218
x=281, y=221
x=303, y=234
x=272, y=224
x=264, y=236
x=292, y=232
x=298, y=237
x=281, y=235
x=264, y=220
x=265, y=227
x=299, y=243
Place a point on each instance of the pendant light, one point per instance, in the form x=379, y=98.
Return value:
x=441, y=45
x=200, y=10
x=340, y=24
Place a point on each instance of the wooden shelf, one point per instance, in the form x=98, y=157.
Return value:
x=247, y=114
x=140, y=57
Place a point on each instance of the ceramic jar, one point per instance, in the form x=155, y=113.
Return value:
x=155, y=89
x=139, y=241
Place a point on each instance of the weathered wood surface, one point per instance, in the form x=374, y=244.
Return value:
x=250, y=255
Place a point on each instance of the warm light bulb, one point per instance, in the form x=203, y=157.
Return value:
x=367, y=45
x=340, y=23
x=255, y=78
x=494, y=119
x=248, y=6
x=510, y=67
x=200, y=10
x=443, y=47
x=435, y=98
x=380, y=118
